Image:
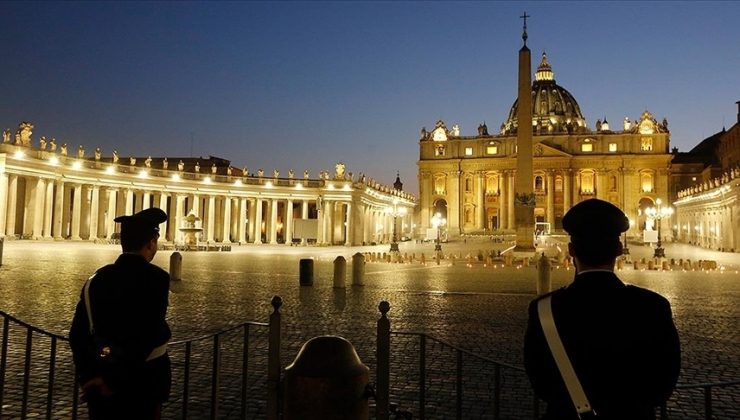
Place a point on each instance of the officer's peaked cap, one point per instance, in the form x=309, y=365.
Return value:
x=143, y=222
x=595, y=219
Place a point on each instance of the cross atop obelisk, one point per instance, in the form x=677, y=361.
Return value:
x=524, y=34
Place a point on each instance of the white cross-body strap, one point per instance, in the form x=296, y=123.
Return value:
x=544, y=310
x=87, y=303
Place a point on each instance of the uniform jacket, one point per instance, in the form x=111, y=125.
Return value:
x=129, y=301
x=621, y=341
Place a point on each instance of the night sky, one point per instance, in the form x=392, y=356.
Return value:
x=302, y=85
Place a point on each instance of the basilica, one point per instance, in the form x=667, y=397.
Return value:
x=469, y=180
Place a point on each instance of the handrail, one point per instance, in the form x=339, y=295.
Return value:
x=33, y=328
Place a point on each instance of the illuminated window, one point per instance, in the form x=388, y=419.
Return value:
x=468, y=151
x=538, y=183
x=647, y=182
x=492, y=185
x=646, y=144
x=587, y=147
x=587, y=182
x=439, y=184
x=492, y=150
x=468, y=184
x=558, y=183
x=612, y=147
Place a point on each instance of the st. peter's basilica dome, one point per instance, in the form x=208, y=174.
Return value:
x=554, y=109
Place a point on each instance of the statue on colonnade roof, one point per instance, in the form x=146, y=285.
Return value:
x=115, y=156
x=42, y=143
x=6, y=136
x=53, y=144
x=63, y=150
x=24, y=129
x=81, y=152
x=339, y=170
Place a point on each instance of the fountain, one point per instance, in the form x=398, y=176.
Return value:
x=191, y=231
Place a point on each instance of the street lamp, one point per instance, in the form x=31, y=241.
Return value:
x=659, y=213
x=437, y=222
x=395, y=211
x=625, y=248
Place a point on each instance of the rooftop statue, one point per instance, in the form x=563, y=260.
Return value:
x=228, y=170
x=339, y=171
x=423, y=133
x=81, y=152
x=98, y=153
x=24, y=129
x=180, y=165
x=53, y=145
x=305, y=174
x=290, y=174
x=260, y=172
x=275, y=173
x=132, y=161
x=245, y=172
x=197, y=166
x=63, y=150
x=115, y=156
x=148, y=162
x=165, y=163
x=42, y=143
x=6, y=136
x=214, y=169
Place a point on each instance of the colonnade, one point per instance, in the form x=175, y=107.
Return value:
x=44, y=201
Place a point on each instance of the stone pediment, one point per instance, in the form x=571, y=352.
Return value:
x=543, y=150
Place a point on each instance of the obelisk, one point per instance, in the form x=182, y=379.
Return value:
x=524, y=200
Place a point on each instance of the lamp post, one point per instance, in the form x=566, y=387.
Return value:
x=625, y=248
x=437, y=222
x=395, y=211
x=659, y=212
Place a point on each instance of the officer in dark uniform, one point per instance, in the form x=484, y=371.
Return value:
x=128, y=375
x=620, y=339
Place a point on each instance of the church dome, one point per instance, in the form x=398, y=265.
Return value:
x=554, y=109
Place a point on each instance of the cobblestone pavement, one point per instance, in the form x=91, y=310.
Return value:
x=479, y=309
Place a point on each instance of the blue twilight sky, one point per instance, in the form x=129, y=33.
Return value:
x=302, y=85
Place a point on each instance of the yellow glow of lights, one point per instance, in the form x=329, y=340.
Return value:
x=110, y=170
x=238, y=182
x=142, y=174
x=175, y=177
x=207, y=180
x=330, y=186
x=54, y=160
x=299, y=186
x=76, y=165
x=268, y=184
x=347, y=187
x=19, y=154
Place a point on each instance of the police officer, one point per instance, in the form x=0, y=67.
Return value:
x=122, y=364
x=620, y=339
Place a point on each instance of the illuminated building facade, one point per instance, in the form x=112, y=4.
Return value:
x=46, y=193
x=470, y=180
x=706, y=181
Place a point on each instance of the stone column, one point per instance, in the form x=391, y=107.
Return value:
x=195, y=207
x=210, y=237
x=348, y=229
x=12, y=204
x=38, y=212
x=510, y=201
x=600, y=183
x=454, y=219
x=3, y=201
x=94, y=212
x=258, y=222
x=567, y=190
x=304, y=215
x=146, y=201
x=163, y=226
x=179, y=216
x=129, y=206
x=551, y=199
x=48, y=209
x=58, y=210
x=227, y=220
x=480, y=206
x=503, y=207
x=289, y=222
x=76, y=212
x=366, y=225
x=242, y=221
x=273, y=221
x=110, y=225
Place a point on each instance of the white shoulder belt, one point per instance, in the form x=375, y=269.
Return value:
x=544, y=310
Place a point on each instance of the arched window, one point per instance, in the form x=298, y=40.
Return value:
x=468, y=184
x=587, y=182
x=439, y=184
x=646, y=182
x=538, y=183
x=558, y=183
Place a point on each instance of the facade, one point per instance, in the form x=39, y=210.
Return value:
x=707, y=185
x=46, y=193
x=471, y=180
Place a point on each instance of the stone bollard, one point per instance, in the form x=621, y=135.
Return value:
x=544, y=283
x=525, y=262
x=620, y=263
x=423, y=259
x=413, y=257
x=2, y=242
x=340, y=271
x=489, y=261
x=327, y=380
x=437, y=256
x=666, y=266
x=175, y=266
x=358, y=270
x=306, y=271
x=452, y=259
x=686, y=265
x=470, y=259
x=388, y=257
x=508, y=260
x=636, y=265
x=651, y=264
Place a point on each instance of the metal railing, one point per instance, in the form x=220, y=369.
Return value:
x=50, y=391
x=230, y=364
